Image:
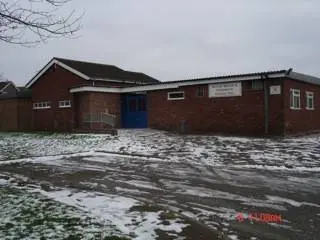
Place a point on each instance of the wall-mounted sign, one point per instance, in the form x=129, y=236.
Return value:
x=275, y=90
x=225, y=89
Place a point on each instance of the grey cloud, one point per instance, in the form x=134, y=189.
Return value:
x=180, y=39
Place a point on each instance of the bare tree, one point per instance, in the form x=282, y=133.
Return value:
x=3, y=78
x=29, y=22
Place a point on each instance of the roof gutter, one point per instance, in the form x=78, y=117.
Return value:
x=170, y=85
x=121, y=90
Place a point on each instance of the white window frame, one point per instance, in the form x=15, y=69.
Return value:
x=295, y=93
x=65, y=104
x=181, y=98
x=309, y=95
x=41, y=105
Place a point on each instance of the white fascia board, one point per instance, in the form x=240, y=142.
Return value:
x=95, y=89
x=150, y=87
x=168, y=85
x=122, y=90
x=49, y=65
x=232, y=79
x=76, y=72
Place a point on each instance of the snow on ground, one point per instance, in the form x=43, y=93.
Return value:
x=108, y=214
x=280, y=168
x=208, y=179
x=3, y=182
x=233, y=237
x=274, y=154
x=291, y=202
x=116, y=211
x=142, y=184
x=26, y=215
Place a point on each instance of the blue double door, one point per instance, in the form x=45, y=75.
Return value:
x=134, y=111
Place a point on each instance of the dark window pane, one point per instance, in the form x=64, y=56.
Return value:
x=257, y=84
x=176, y=95
x=200, y=92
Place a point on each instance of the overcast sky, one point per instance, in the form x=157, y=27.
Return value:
x=172, y=40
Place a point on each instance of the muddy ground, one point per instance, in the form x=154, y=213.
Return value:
x=207, y=188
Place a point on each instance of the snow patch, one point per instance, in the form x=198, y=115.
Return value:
x=233, y=237
x=279, y=168
x=115, y=209
x=3, y=182
x=290, y=201
x=135, y=191
x=142, y=184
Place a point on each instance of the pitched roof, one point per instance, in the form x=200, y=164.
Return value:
x=24, y=92
x=20, y=92
x=96, y=71
x=93, y=70
x=23, y=89
x=304, y=77
x=105, y=71
x=3, y=85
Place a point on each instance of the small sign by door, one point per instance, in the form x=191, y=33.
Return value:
x=275, y=90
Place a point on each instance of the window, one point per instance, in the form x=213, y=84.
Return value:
x=65, y=104
x=41, y=105
x=257, y=84
x=200, y=92
x=175, y=95
x=294, y=99
x=310, y=100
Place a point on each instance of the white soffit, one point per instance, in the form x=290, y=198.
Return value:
x=169, y=85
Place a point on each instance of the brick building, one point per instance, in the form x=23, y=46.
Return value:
x=70, y=95
x=15, y=107
x=55, y=108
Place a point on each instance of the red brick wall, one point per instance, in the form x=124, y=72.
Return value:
x=81, y=105
x=302, y=120
x=54, y=86
x=100, y=102
x=24, y=115
x=8, y=115
x=15, y=115
x=230, y=115
x=276, y=113
x=95, y=102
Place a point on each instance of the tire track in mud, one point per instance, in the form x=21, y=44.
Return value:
x=175, y=169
